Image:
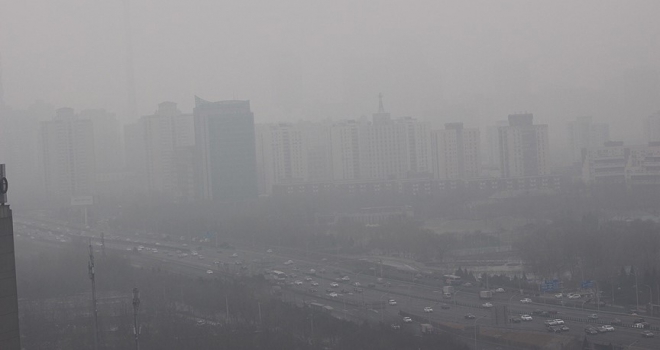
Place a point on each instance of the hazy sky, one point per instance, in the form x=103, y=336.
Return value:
x=439, y=60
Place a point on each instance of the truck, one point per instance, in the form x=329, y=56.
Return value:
x=448, y=290
x=485, y=294
x=427, y=328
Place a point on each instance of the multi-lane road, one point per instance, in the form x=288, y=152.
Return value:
x=410, y=296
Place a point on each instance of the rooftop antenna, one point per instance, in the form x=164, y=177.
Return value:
x=90, y=267
x=381, y=109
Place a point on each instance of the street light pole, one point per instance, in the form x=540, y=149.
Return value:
x=475, y=330
x=650, y=293
x=636, y=290
x=136, y=307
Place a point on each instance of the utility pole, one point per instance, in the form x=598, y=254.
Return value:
x=136, y=327
x=103, y=243
x=227, y=309
x=90, y=267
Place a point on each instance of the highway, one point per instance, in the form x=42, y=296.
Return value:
x=410, y=296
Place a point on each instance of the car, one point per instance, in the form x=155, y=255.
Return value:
x=358, y=290
x=298, y=283
x=357, y=284
x=209, y=271
x=444, y=306
x=559, y=295
x=607, y=328
x=559, y=321
x=234, y=255
x=345, y=278
x=574, y=296
x=514, y=320
x=554, y=329
x=647, y=334
x=288, y=262
x=499, y=290
x=308, y=278
x=313, y=290
x=392, y=302
x=269, y=251
x=395, y=326
x=537, y=312
x=315, y=284
x=526, y=300
x=616, y=322
x=467, y=284
x=550, y=323
x=639, y=320
x=526, y=317
x=470, y=316
x=564, y=328
x=487, y=305
x=407, y=319
x=334, y=285
x=591, y=330
x=643, y=325
x=333, y=295
x=593, y=317
x=428, y=309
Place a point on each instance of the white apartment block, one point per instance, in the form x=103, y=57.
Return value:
x=347, y=150
x=583, y=133
x=605, y=164
x=67, y=154
x=456, y=153
x=615, y=163
x=523, y=147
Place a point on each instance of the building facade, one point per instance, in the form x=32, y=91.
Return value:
x=456, y=152
x=523, y=147
x=225, y=149
x=583, y=133
x=68, y=159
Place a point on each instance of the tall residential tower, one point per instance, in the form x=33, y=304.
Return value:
x=226, y=154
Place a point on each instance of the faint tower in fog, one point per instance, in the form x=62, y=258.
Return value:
x=67, y=150
x=2, y=89
x=10, y=338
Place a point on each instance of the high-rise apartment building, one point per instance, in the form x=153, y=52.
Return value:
x=225, y=146
x=347, y=150
x=492, y=151
x=10, y=338
x=456, y=153
x=523, y=147
x=281, y=155
x=168, y=147
x=67, y=149
x=107, y=139
x=583, y=133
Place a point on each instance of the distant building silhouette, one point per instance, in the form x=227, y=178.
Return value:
x=67, y=149
x=457, y=154
x=523, y=147
x=225, y=148
x=583, y=133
